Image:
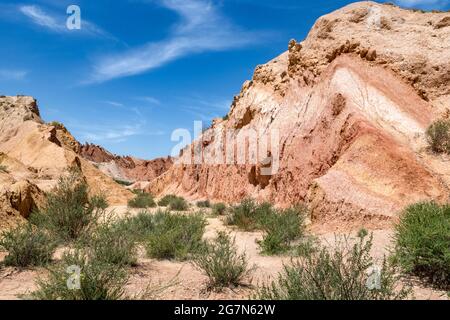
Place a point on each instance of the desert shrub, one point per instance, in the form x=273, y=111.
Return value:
x=123, y=182
x=281, y=228
x=221, y=262
x=343, y=273
x=175, y=236
x=178, y=204
x=248, y=215
x=99, y=202
x=422, y=242
x=204, y=204
x=68, y=214
x=438, y=136
x=139, y=226
x=142, y=200
x=97, y=281
x=165, y=201
x=112, y=243
x=27, y=246
x=4, y=169
x=219, y=209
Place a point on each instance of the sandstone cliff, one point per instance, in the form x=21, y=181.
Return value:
x=125, y=168
x=33, y=155
x=351, y=104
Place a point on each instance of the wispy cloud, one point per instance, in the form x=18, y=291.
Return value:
x=150, y=100
x=206, y=109
x=13, y=74
x=113, y=103
x=57, y=23
x=202, y=27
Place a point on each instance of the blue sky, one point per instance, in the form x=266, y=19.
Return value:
x=138, y=69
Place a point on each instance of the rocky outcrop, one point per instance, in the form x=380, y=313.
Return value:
x=125, y=168
x=34, y=154
x=344, y=114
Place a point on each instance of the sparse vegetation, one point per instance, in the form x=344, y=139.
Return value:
x=219, y=209
x=139, y=226
x=422, y=242
x=27, y=246
x=142, y=200
x=343, y=273
x=165, y=201
x=4, y=169
x=97, y=281
x=221, y=262
x=204, y=204
x=438, y=136
x=99, y=202
x=281, y=228
x=178, y=204
x=123, y=182
x=175, y=236
x=68, y=213
x=112, y=243
x=248, y=215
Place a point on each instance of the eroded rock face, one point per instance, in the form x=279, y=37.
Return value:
x=34, y=154
x=125, y=168
x=351, y=104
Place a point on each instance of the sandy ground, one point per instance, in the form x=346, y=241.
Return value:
x=181, y=280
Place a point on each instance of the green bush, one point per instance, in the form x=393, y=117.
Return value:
x=97, y=281
x=27, y=246
x=139, y=226
x=204, y=204
x=142, y=200
x=178, y=204
x=165, y=201
x=281, y=228
x=221, y=262
x=99, y=202
x=248, y=215
x=113, y=244
x=175, y=236
x=123, y=182
x=422, y=242
x=342, y=273
x=438, y=136
x=68, y=214
x=219, y=209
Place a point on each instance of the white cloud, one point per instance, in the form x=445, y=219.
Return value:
x=202, y=28
x=150, y=100
x=57, y=23
x=114, y=103
x=12, y=74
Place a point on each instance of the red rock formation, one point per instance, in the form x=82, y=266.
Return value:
x=125, y=168
x=351, y=104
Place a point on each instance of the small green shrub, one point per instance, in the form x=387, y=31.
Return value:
x=123, y=182
x=343, y=273
x=219, y=209
x=99, y=202
x=221, y=262
x=139, y=226
x=178, y=204
x=97, y=281
x=422, y=242
x=68, y=214
x=113, y=244
x=175, y=236
x=165, y=201
x=142, y=200
x=281, y=228
x=27, y=246
x=248, y=215
x=438, y=136
x=204, y=204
